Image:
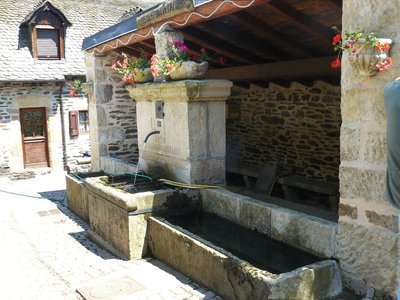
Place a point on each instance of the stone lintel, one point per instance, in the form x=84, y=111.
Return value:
x=182, y=91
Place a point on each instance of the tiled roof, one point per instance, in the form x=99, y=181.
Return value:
x=86, y=16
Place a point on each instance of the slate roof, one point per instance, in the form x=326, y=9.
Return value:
x=87, y=17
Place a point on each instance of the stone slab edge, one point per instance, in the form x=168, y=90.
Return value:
x=308, y=233
x=182, y=90
x=235, y=278
x=127, y=201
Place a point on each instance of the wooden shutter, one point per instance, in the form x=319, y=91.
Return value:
x=48, y=43
x=74, y=123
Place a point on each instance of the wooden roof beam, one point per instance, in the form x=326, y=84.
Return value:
x=256, y=25
x=309, y=68
x=259, y=50
x=335, y=4
x=302, y=20
x=209, y=9
x=197, y=37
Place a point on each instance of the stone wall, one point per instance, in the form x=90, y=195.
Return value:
x=75, y=145
x=13, y=97
x=368, y=232
x=298, y=125
x=112, y=113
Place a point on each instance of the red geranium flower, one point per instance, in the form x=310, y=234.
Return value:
x=337, y=39
x=336, y=63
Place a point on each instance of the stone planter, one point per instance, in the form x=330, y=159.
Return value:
x=367, y=57
x=143, y=75
x=189, y=70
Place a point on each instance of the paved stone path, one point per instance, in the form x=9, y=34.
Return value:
x=45, y=253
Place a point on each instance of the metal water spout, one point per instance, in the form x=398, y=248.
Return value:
x=150, y=134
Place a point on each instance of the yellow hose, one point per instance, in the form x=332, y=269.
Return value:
x=189, y=185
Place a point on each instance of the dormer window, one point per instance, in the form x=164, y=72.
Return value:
x=48, y=26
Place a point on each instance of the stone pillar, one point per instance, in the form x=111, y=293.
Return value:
x=191, y=120
x=90, y=62
x=368, y=232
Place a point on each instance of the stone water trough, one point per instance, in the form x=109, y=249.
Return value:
x=134, y=225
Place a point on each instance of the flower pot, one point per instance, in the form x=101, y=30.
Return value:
x=143, y=75
x=366, y=58
x=72, y=93
x=189, y=70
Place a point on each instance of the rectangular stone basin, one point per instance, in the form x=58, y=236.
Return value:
x=117, y=218
x=223, y=271
x=234, y=278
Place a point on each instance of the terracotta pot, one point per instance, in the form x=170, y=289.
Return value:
x=143, y=75
x=72, y=93
x=366, y=57
x=189, y=70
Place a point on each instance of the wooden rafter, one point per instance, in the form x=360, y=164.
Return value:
x=335, y=5
x=308, y=68
x=302, y=20
x=256, y=25
x=259, y=50
x=212, y=9
x=228, y=50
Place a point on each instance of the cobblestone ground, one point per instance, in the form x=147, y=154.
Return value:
x=45, y=253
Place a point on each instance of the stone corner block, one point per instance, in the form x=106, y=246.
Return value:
x=305, y=232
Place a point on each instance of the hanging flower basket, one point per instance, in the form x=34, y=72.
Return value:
x=367, y=53
x=369, y=59
x=142, y=75
x=189, y=70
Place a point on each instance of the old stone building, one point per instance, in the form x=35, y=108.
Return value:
x=286, y=105
x=41, y=123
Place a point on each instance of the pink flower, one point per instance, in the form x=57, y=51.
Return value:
x=179, y=44
x=385, y=65
x=154, y=70
x=130, y=80
x=184, y=48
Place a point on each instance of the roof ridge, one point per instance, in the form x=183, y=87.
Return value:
x=129, y=13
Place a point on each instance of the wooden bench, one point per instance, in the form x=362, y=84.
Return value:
x=290, y=184
x=265, y=175
x=245, y=170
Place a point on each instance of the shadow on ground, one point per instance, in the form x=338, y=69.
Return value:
x=59, y=198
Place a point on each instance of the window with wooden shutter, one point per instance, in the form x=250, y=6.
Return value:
x=74, y=123
x=48, y=26
x=48, y=43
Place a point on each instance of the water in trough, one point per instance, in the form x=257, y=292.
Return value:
x=251, y=246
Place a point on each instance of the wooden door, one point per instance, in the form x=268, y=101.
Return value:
x=34, y=137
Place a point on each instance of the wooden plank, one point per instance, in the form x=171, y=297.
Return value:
x=212, y=10
x=258, y=49
x=226, y=49
x=262, y=29
x=243, y=169
x=302, y=20
x=310, y=67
